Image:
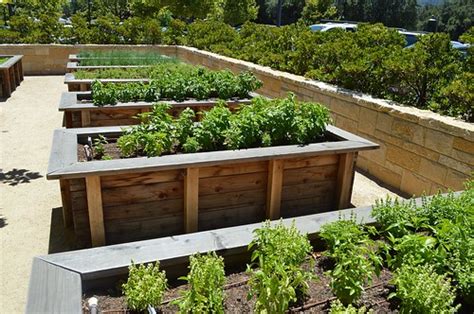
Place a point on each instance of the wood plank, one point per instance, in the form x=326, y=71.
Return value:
x=232, y=199
x=142, y=178
x=96, y=214
x=345, y=179
x=115, y=114
x=191, y=199
x=298, y=191
x=307, y=206
x=105, y=123
x=86, y=118
x=156, y=209
x=240, y=182
x=233, y=169
x=316, y=161
x=142, y=193
x=274, y=188
x=227, y=217
x=53, y=289
x=310, y=174
x=66, y=201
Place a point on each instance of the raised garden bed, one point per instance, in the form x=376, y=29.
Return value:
x=11, y=74
x=122, y=200
x=114, y=60
x=83, y=85
x=79, y=111
x=400, y=255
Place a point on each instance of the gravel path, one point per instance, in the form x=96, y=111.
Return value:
x=30, y=206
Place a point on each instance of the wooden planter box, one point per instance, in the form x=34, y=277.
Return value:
x=125, y=200
x=11, y=74
x=76, y=85
x=80, y=112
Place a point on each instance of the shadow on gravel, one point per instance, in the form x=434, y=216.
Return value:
x=61, y=239
x=3, y=221
x=18, y=176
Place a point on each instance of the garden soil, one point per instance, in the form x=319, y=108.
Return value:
x=30, y=206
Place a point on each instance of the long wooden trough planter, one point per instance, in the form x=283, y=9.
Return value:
x=58, y=281
x=75, y=66
x=79, y=111
x=84, y=85
x=11, y=74
x=124, y=200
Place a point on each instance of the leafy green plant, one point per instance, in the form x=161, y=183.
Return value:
x=355, y=258
x=99, y=146
x=119, y=57
x=421, y=290
x=206, y=280
x=396, y=217
x=338, y=308
x=219, y=128
x=145, y=286
x=278, y=252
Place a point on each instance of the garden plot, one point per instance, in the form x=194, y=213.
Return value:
x=11, y=74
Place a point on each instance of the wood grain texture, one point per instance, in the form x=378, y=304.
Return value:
x=53, y=289
x=66, y=201
x=274, y=188
x=95, y=209
x=191, y=200
x=345, y=178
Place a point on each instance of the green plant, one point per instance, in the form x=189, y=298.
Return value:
x=120, y=57
x=99, y=146
x=396, y=217
x=206, y=280
x=355, y=260
x=421, y=290
x=338, y=308
x=145, y=286
x=278, y=252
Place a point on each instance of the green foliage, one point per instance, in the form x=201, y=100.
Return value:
x=122, y=57
x=176, y=82
x=315, y=10
x=279, y=252
x=208, y=34
x=421, y=290
x=396, y=217
x=206, y=280
x=353, y=252
x=99, y=146
x=415, y=249
x=338, y=308
x=145, y=286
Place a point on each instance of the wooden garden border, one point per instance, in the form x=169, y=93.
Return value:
x=84, y=85
x=58, y=281
x=200, y=191
x=74, y=64
x=11, y=74
x=79, y=111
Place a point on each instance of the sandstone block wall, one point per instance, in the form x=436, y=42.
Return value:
x=420, y=151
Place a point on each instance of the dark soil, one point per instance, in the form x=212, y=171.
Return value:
x=236, y=291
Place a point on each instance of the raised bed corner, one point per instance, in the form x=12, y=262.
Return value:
x=11, y=74
x=125, y=200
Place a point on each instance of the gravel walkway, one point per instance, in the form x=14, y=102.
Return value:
x=30, y=206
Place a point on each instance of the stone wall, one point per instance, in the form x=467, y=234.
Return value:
x=420, y=151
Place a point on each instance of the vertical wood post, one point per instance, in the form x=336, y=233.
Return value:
x=6, y=84
x=345, y=177
x=83, y=87
x=66, y=200
x=274, y=188
x=96, y=212
x=191, y=199
x=85, y=118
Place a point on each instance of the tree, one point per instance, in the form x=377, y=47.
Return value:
x=291, y=11
x=239, y=12
x=315, y=10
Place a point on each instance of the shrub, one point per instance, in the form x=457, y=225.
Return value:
x=421, y=290
x=279, y=279
x=146, y=285
x=206, y=280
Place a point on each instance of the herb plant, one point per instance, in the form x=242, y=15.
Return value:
x=355, y=260
x=99, y=146
x=278, y=252
x=145, y=286
x=421, y=290
x=338, y=308
x=119, y=57
x=206, y=280
x=254, y=125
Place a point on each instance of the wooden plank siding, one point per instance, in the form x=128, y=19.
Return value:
x=155, y=204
